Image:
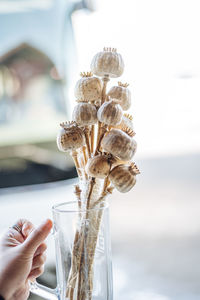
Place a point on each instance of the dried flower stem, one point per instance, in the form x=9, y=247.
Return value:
x=98, y=136
x=73, y=272
x=103, y=98
x=76, y=162
x=82, y=163
x=84, y=237
x=105, y=82
x=103, y=130
x=82, y=158
x=72, y=280
x=92, y=138
x=100, y=199
x=86, y=245
x=86, y=132
x=84, y=155
x=92, y=182
x=92, y=245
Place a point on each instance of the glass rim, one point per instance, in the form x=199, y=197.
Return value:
x=56, y=207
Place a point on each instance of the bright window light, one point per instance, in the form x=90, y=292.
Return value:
x=160, y=45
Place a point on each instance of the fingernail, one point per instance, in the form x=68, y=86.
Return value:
x=48, y=223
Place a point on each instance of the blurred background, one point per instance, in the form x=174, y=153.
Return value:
x=44, y=45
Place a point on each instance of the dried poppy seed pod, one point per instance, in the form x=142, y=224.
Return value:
x=85, y=114
x=121, y=94
x=98, y=166
x=70, y=137
x=108, y=63
x=123, y=177
x=127, y=122
x=88, y=87
x=119, y=144
x=110, y=113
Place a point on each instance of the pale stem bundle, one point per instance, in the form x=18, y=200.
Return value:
x=81, y=273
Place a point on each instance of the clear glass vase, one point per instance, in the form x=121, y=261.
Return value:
x=83, y=254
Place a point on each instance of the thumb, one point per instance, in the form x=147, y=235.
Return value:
x=37, y=236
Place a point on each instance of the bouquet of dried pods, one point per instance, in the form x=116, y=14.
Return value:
x=100, y=140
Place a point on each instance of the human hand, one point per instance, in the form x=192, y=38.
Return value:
x=22, y=256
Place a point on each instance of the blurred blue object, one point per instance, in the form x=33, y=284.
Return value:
x=36, y=38
x=37, y=65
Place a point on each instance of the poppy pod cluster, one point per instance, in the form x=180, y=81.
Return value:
x=101, y=124
x=101, y=140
